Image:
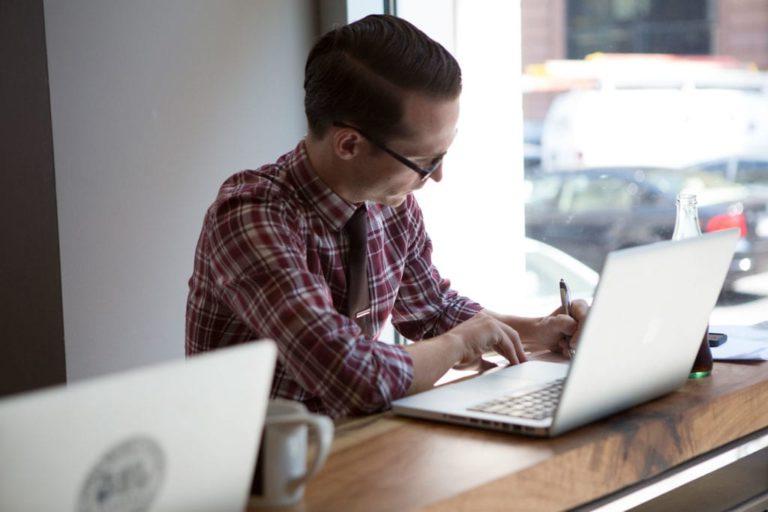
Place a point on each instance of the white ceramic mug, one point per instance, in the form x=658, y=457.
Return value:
x=281, y=469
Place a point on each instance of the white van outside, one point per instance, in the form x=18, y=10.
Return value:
x=653, y=126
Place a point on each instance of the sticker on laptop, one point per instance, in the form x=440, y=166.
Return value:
x=126, y=478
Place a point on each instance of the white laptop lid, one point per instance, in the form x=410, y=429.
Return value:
x=647, y=321
x=639, y=342
x=176, y=436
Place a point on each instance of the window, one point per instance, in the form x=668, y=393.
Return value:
x=638, y=26
x=669, y=95
x=652, y=96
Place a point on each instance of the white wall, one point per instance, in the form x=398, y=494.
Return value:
x=154, y=103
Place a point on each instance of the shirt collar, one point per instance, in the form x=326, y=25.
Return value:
x=335, y=210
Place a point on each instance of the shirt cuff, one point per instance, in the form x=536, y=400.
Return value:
x=455, y=311
x=396, y=372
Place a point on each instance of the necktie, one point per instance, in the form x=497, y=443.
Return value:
x=358, y=300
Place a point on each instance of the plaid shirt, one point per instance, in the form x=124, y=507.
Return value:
x=270, y=264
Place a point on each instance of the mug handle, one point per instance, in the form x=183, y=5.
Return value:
x=322, y=427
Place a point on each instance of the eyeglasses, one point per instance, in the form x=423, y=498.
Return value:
x=424, y=172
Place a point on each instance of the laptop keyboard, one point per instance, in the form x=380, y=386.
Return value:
x=538, y=404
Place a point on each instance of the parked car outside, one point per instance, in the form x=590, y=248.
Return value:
x=588, y=213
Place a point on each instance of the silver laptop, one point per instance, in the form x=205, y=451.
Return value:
x=639, y=342
x=180, y=436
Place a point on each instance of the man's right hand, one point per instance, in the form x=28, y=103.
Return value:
x=482, y=333
x=463, y=345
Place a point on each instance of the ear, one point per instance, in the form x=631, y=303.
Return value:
x=347, y=143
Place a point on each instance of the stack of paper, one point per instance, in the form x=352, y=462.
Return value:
x=745, y=343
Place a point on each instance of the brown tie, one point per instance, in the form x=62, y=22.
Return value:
x=358, y=300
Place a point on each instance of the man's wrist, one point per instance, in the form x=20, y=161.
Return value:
x=526, y=327
x=456, y=344
x=432, y=358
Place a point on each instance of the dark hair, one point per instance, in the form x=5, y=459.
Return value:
x=359, y=73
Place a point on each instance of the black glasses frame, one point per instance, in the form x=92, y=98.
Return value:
x=424, y=172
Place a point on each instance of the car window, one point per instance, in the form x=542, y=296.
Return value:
x=672, y=182
x=701, y=181
x=752, y=172
x=543, y=190
x=719, y=167
x=599, y=192
x=708, y=188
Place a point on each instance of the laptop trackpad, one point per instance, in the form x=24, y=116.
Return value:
x=515, y=378
x=496, y=383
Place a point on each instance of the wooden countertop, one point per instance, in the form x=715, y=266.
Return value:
x=386, y=462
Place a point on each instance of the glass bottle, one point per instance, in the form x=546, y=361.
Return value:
x=687, y=226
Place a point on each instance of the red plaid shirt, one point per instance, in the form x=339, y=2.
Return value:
x=270, y=264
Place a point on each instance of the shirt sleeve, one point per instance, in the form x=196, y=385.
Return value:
x=426, y=306
x=258, y=260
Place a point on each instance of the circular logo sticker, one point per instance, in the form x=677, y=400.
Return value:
x=125, y=479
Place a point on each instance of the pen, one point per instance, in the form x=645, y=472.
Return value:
x=565, y=299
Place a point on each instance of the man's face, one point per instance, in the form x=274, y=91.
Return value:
x=432, y=127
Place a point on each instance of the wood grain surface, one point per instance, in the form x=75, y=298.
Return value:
x=385, y=462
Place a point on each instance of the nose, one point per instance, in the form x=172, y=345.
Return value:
x=437, y=175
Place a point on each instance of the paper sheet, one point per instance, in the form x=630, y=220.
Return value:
x=745, y=343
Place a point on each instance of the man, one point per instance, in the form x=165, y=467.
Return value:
x=317, y=250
